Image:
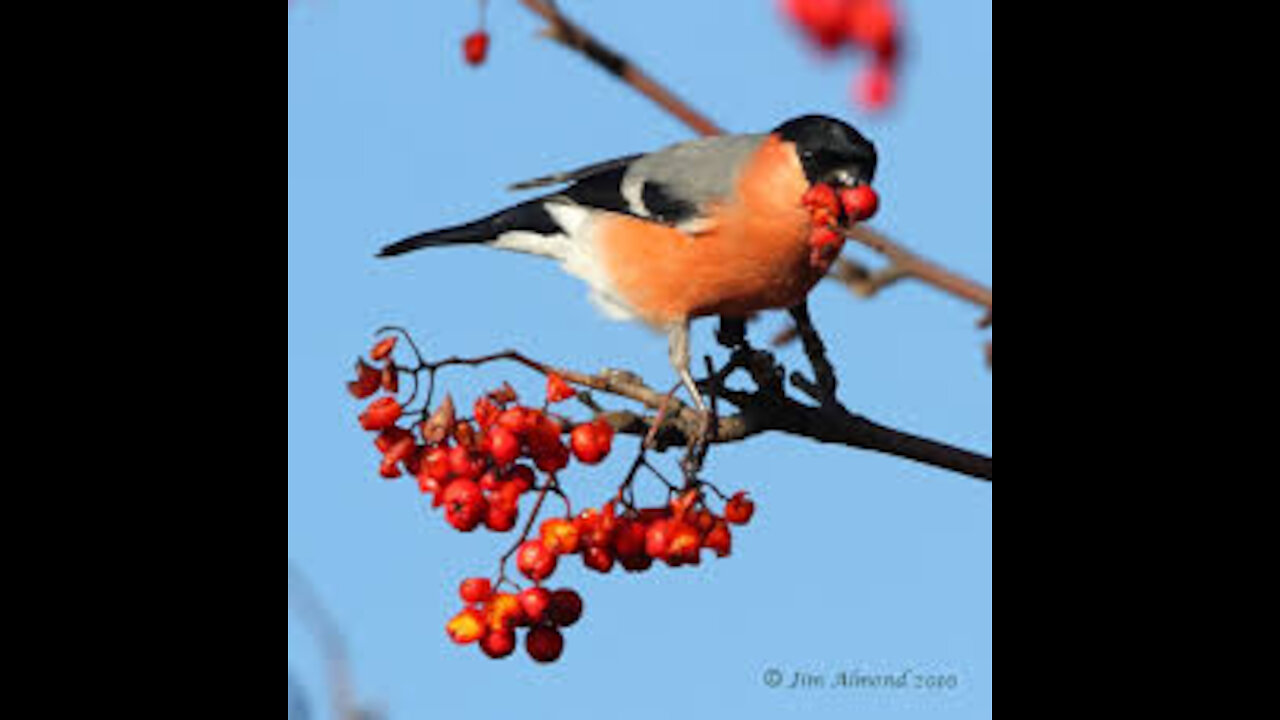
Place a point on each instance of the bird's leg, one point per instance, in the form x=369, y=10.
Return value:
x=679, y=346
x=824, y=390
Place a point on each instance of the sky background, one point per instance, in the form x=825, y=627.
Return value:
x=855, y=563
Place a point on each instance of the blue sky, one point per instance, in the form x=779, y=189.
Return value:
x=856, y=563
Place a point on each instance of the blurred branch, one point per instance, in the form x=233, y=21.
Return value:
x=571, y=35
x=298, y=709
x=305, y=603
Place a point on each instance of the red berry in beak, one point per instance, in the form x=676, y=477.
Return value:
x=860, y=203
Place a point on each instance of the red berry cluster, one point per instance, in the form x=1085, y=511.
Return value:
x=872, y=25
x=470, y=467
x=827, y=208
x=478, y=469
x=492, y=619
x=675, y=534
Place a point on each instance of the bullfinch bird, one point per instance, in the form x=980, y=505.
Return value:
x=712, y=227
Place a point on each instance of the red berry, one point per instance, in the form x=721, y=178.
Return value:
x=658, y=539
x=536, y=561
x=462, y=464
x=874, y=26
x=561, y=536
x=685, y=546
x=719, y=540
x=518, y=420
x=592, y=442
x=466, y=627
x=504, y=612
x=382, y=414
x=822, y=18
x=499, y=644
x=476, y=47
x=565, y=609
x=522, y=478
x=383, y=349
x=399, y=453
x=635, y=563
x=504, y=446
x=465, y=505
x=552, y=458
x=821, y=197
x=739, y=510
x=558, y=390
x=502, y=515
x=629, y=540
x=876, y=86
x=535, y=602
x=476, y=590
x=545, y=644
x=599, y=559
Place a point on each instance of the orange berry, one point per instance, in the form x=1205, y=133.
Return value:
x=467, y=627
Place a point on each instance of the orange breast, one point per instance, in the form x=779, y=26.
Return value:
x=755, y=257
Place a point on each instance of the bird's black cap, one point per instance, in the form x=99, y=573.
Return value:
x=827, y=146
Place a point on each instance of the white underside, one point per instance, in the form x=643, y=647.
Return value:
x=576, y=251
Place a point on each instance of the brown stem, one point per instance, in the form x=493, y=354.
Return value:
x=572, y=36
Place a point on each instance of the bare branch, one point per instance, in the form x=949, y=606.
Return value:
x=304, y=601
x=572, y=36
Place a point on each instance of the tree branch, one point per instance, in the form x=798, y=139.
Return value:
x=572, y=36
x=904, y=264
x=767, y=409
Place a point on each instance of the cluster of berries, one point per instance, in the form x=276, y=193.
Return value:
x=872, y=25
x=491, y=619
x=478, y=469
x=828, y=208
x=675, y=534
x=471, y=467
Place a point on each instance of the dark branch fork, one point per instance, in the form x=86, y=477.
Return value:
x=666, y=422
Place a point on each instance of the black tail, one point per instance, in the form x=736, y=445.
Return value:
x=528, y=217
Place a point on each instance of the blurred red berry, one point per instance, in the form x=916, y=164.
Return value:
x=476, y=48
x=875, y=87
